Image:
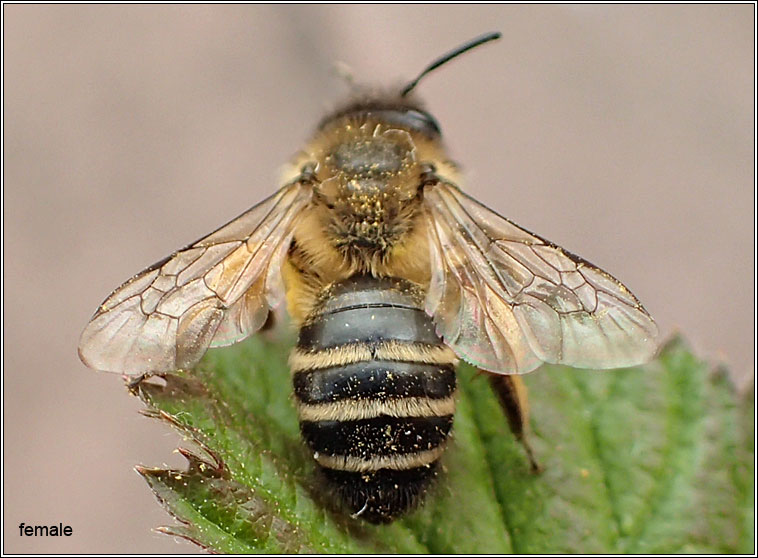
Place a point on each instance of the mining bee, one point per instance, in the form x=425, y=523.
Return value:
x=392, y=274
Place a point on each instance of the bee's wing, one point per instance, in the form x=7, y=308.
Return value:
x=507, y=300
x=214, y=292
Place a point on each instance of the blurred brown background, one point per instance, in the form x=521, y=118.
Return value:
x=623, y=133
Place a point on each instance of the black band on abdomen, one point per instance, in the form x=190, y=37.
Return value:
x=372, y=379
x=376, y=437
x=368, y=324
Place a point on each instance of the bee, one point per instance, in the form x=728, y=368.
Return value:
x=392, y=274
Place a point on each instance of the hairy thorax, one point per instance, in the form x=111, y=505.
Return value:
x=366, y=215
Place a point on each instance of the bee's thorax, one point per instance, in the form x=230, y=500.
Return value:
x=368, y=174
x=368, y=179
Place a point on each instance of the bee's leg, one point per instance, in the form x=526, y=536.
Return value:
x=133, y=382
x=270, y=323
x=511, y=392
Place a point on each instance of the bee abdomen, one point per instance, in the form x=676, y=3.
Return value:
x=380, y=443
x=375, y=391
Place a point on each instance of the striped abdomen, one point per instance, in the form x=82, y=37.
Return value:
x=375, y=389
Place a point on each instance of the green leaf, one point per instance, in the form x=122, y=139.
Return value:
x=655, y=459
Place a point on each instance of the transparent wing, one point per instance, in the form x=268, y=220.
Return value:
x=214, y=292
x=507, y=300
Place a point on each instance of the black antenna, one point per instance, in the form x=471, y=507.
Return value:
x=449, y=56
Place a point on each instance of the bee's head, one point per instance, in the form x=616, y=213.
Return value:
x=399, y=109
x=393, y=110
x=379, y=145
